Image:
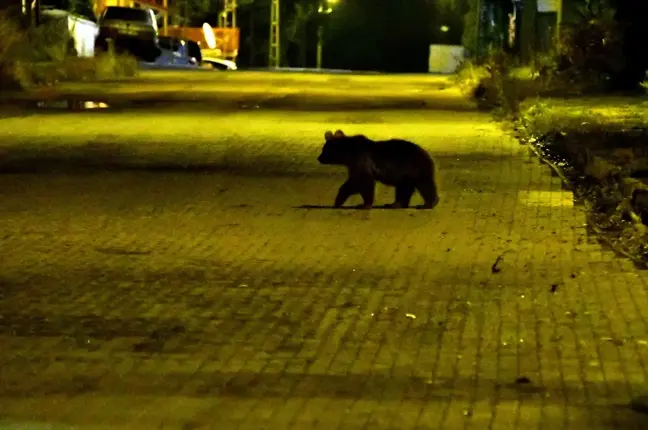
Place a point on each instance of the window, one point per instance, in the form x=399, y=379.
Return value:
x=126, y=14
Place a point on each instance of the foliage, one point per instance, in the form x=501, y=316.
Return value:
x=448, y=14
x=79, y=7
x=469, y=75
x=596, y=144
x=194, y=12
x=11, y=42
x=590, y=51
x=40, y=56
x=390, y=36
x=296, y=29
x=494, y=84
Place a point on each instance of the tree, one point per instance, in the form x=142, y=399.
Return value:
x=254, y=24
x=79, y=7
x=391, y=35
x=193, y=12
x=297, y=27
x=470, y=36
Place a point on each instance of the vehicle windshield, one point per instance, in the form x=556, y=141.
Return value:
x=126, y=14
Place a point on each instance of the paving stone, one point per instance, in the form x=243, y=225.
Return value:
x=163, y=299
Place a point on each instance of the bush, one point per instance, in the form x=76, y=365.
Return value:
x=495, y=85
x=592, y=55
x=11, y=40
x=42, y=56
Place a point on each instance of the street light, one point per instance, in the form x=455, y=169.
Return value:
x=325, y=8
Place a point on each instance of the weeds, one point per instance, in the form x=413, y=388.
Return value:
x=41, y=56
x=495, y=85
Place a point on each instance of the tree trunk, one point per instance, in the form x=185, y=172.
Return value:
x=251, y=39
x=303, y=49
x=528, y=29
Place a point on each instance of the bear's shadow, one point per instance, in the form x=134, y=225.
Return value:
x=356, y=207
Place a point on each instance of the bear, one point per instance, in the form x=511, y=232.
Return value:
x=394, y=162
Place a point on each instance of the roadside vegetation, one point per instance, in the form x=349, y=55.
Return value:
x=583, y=109
x=43, y=56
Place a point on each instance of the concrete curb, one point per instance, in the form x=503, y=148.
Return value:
x=237, y=101
x=588, y=207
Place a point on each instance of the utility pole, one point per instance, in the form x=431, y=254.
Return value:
x=274, y=52
x=324, y=9
x=229, y=11
x=320, y=42
x=227, y=20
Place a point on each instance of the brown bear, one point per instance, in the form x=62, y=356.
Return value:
x=395, y=162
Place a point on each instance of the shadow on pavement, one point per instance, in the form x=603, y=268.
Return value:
x=358, y=207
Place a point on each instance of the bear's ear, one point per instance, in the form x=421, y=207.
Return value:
x=328, y=135
x=339, y=133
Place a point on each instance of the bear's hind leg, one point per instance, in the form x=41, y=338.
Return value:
x=428, y=190
x=404, y=193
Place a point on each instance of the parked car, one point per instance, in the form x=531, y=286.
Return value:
x=132, y=30
x=175, y=52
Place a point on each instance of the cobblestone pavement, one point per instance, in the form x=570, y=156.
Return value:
x=210, y=299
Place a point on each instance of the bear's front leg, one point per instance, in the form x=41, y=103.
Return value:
x=346, y=190
x=367, y=191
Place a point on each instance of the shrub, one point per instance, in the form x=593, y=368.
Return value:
x=495, y=85
x=11, y=40
x=468, y=76
x=591, y=54
x=42, y=56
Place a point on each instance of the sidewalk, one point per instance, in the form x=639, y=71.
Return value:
x=166, y=299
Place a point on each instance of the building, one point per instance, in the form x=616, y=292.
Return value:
x=160, y=7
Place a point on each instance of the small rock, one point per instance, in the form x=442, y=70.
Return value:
x=554, y=287
x=522, y=380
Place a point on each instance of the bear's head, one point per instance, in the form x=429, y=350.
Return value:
x=341, y=149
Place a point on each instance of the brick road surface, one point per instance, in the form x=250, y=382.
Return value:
x=209, y=299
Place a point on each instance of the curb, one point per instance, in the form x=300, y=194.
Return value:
x=589, y=212
x=287, y=102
